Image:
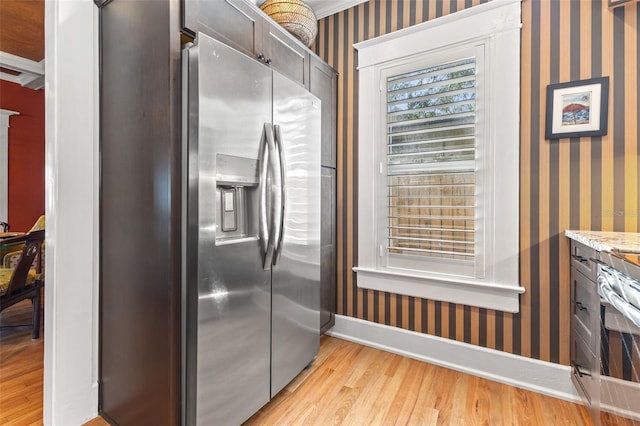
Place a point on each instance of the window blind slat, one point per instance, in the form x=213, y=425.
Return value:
x=455, y=108
x=445, y=96
x=394, y=157
x=450, y=254
x=432, y=123
x=459, y=230
x=467, y=82
x=441, y=134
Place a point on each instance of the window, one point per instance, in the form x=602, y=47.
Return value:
x=430, y=164
x=438, y=165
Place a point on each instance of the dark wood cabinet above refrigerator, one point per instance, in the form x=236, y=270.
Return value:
x=285, y=54
x=235, y=23
x=243, y=26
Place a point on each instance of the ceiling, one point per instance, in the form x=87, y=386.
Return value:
x=22, y=42
x=22, y=28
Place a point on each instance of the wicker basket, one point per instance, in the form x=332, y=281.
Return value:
x=295, y=17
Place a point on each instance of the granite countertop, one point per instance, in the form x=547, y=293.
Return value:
x=616, y=242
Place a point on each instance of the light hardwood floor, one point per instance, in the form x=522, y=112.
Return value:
x=352, y=384
x=21, y=369
x=348, y=384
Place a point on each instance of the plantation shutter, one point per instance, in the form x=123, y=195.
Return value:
x=431, y=166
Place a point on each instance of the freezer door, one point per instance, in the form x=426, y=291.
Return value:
x=227, y=291
x=296, y=276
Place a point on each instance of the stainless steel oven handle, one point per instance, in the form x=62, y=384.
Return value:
x=283, y=193
x=608, y=294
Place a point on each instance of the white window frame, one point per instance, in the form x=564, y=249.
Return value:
x=494, y=29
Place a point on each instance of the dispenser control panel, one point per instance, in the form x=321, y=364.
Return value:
x=237, y=180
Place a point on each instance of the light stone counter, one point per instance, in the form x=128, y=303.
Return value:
x=617, y=242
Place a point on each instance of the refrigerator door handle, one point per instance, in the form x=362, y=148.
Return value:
x=283, y=193
x=269, y=198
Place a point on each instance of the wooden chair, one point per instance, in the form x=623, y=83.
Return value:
x=10, y=254
x=24, y=282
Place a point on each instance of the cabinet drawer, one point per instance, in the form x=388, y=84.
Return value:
x=582, y=259
x=584, y=371
x=585, y=309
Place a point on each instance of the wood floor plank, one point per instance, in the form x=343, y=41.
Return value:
x=21, y=368
x=404, y=400
x=394, y=377
x=367, y=383
x=416, y=408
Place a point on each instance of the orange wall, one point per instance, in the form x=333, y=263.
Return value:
x=26, y=154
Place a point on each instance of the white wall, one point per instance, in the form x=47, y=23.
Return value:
x=71, y=199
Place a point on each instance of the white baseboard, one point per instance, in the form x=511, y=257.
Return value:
x=538, y=376
x=620, y=397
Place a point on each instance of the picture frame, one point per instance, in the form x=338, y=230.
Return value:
x=577, y=108
x=616, y=3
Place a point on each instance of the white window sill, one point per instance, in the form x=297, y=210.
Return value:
x=482, y=294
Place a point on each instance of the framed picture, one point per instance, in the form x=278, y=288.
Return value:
x=616, y=3
x=577, y=108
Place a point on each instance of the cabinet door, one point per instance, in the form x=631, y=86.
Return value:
x=323, y=82
x=585, y=310
x=284, y=54
x=585, y=374
x=328, y=250
x=233, y=22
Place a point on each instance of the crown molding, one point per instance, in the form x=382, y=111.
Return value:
x=324, y=8
x=29, y=73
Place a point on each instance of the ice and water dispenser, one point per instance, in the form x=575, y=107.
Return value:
x=237, y=201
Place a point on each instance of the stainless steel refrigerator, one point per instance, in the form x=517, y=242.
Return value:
x=252, y=233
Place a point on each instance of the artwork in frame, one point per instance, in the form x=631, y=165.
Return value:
x=577, y=108
x=616, y=3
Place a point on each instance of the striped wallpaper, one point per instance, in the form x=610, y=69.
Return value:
x=586, y=183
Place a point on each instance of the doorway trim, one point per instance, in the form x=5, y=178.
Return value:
x=71, y=206
x=5, y=116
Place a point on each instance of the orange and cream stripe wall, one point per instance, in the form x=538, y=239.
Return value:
x=578, y=183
